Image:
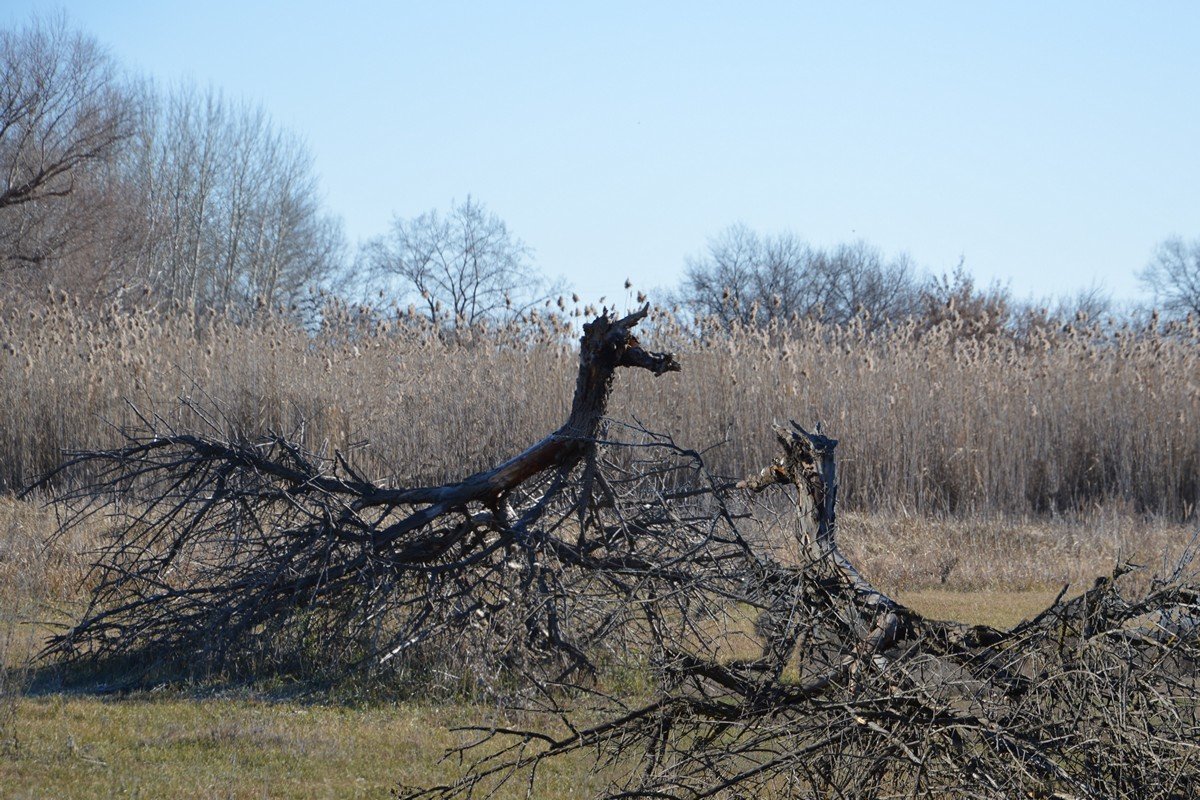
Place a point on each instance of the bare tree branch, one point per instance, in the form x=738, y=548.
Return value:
x=588, y=557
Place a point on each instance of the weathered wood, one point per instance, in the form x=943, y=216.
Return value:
x=310, y=530
x=808, y=464
x=606, y=345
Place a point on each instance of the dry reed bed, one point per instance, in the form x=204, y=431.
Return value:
x=932, y=421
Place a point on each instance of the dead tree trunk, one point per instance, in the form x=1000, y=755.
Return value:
x=606, y=345
x=808, y=464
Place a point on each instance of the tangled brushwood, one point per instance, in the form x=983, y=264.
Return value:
x=598, y=585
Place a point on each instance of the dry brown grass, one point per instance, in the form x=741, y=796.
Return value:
x=932, y=421
x=979, y=554
x=935, y=423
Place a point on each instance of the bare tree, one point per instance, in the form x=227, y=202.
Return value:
x=231, y=206
x=107, y=182
x=750, y=278
x=970, y=311
x=1089, y=303
x=463, y=268
x=1091, y=308
x=63, y=115
x=744, y=276
x=857, y=281
x=1173, y=276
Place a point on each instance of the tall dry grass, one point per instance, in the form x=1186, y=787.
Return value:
x=932, y=419
x=40, y=575
x=1060, y=419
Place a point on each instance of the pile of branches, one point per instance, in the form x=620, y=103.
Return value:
x=242, y=554
x=551, y=579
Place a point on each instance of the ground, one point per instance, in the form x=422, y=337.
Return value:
x=200, y=742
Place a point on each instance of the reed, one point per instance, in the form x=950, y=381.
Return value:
x=935, y=419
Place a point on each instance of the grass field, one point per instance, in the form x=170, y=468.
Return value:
x=172, y=744
x=209, y=742
x=153, y=746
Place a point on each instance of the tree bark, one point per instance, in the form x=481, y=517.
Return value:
x=606, y=345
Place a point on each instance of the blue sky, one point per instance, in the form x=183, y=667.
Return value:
x=1051, y=145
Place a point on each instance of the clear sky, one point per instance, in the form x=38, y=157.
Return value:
x=1051, y=145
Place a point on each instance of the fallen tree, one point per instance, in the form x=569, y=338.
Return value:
x=232, y=553
x=599, y=553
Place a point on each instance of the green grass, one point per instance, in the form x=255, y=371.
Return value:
x=148, y=746
x=166, y=744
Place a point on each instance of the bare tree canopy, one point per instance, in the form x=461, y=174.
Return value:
x=62, y=112
x=750, y=278
x=1173, y=276
x=231, y=205
x=462, y=268
x=108, y=182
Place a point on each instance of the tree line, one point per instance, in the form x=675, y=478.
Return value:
x=203, y=202
x=111, y=182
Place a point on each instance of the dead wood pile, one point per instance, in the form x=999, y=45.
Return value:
x=608, y=551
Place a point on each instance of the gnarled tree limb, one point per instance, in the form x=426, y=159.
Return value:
x=857, y=695
x=225, y=545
